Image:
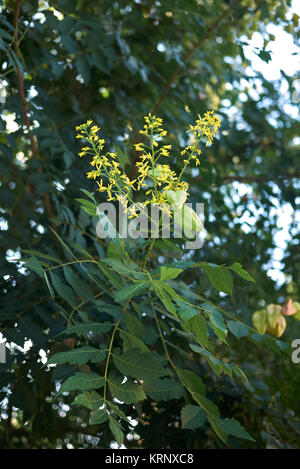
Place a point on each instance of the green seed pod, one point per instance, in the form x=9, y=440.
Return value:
x=273, y=314
x=259, y=321
x=279, y=327
x=188, y=220
x=176, y=198
x=296, y=316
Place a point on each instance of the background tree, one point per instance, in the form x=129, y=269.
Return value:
x=114, y=62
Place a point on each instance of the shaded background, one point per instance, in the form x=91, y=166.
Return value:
x=64, y=62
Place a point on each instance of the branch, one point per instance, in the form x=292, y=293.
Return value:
x=249, y=179
x=23, y=99
x=188, y=55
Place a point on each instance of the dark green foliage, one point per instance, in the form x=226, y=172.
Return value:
x=110, y=61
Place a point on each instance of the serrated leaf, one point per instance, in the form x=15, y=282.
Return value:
x=92, y=400
x=82, y=382
x=198, y=326
x=216, y=321
x=139, y=364
x=219, y=277
x=98, y=416
x=234, y=428
x=127, y=392
x=239, y=270
x=192, y=381
x=207, y=405
x=192, y=416
x=163, y=389
x=116, y=430
x=78, y=356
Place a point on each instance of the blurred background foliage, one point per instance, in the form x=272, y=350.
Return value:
x=65, y=61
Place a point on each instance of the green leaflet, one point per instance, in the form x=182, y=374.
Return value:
x=116, y=430
x=131, y=341
x=98, y=416
x=198, y=326
x=192, y=416
x=95, y=327
x=134, y=325
x=216, y=364
x=163, y=295
x=168, y=273
x=219, y=276
x=34, y=264
x=63, y=290
x=232, y=427
x=238, y=329
x=192, y=381
x=80, y=287
x=92, y=400
x=78, y=356
x=127, y=392
x=163, y=389
x=129, y=269
x=207, y=405
x=141, y=365
x=239, y=270
x=216, y=321
x=82, y=382
x=130, y=291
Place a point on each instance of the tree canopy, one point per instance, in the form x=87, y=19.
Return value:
x=65, y=62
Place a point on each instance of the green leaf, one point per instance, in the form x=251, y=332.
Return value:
x=168, y=273
x=238, y=329
x=78, y=356
x=127, y=392
x=234, y=428
x=186, y=311
x=82, y=382
x=80, y=287
x=92, y=400
x=141, y=365
x=33, y=264
x=163, y=389
x=63, y=290
x=192, y=416
x=130, y=291
x=95, y=327
x=192, y=381
x=198, y=326
x=134, y=325
x=116, y=430
x=216, y=321
x=207, y=405
x=129, y=269
x=164, y=297
x=98, y=416
x=219, y=277
x=239, y=270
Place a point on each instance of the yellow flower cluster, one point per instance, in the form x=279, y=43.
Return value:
x=156, y=178
x=106, y=168
x=206, y=126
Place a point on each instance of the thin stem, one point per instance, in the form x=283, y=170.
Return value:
x=110, y=348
